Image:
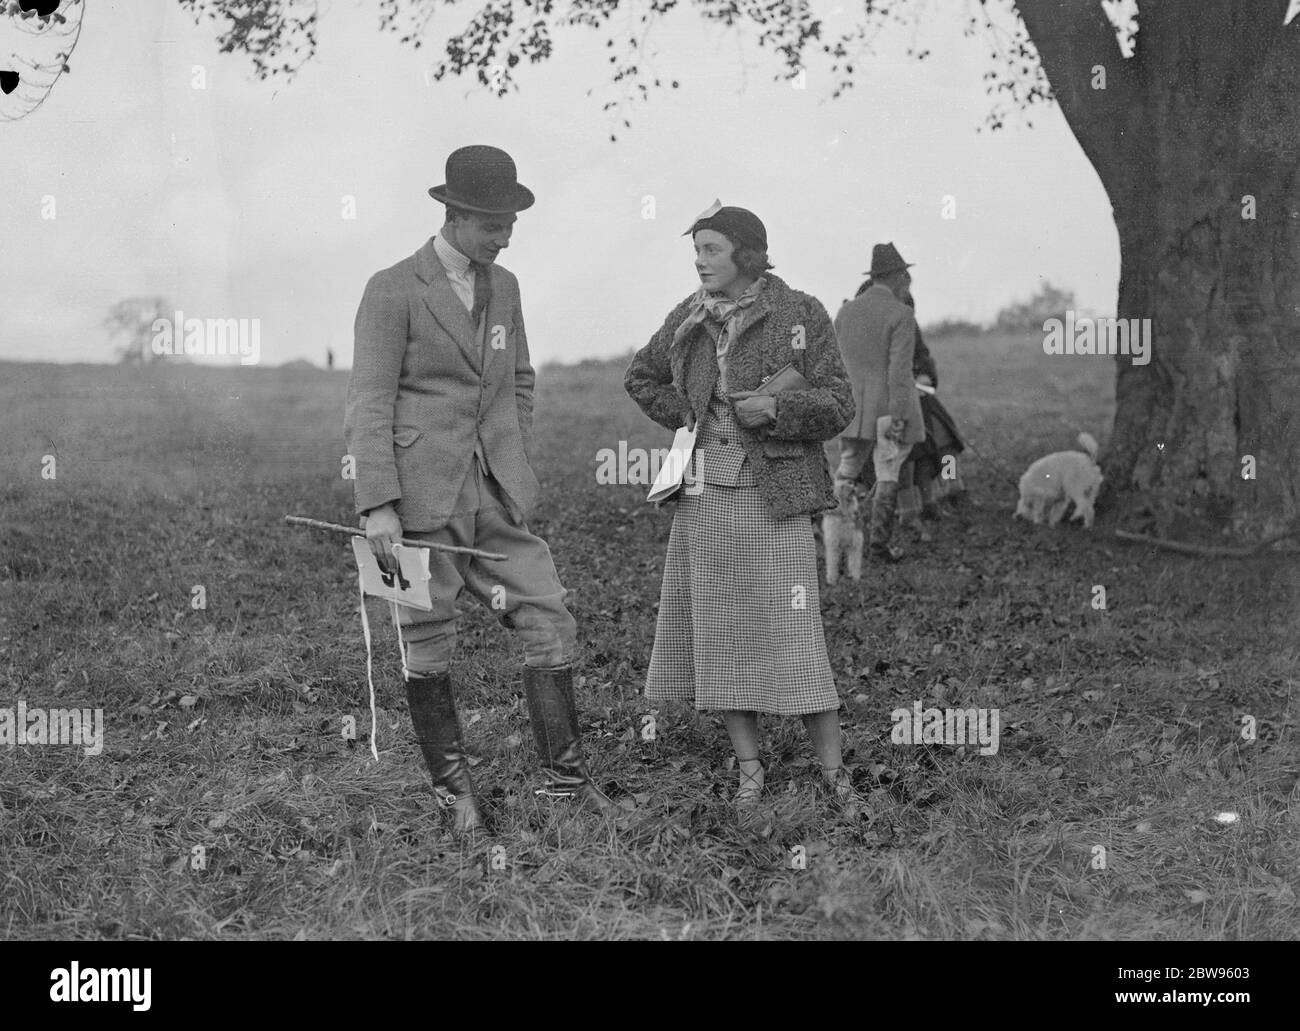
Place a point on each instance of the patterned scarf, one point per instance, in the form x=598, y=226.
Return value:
x=724, y=313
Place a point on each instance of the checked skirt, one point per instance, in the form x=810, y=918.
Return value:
x=740, y=623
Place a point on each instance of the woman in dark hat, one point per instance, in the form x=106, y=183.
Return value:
x=739, y=627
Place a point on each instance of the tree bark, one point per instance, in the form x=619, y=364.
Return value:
x=1204, y=116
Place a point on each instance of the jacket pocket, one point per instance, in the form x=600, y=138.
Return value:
x=784, y=448
x=405, y=436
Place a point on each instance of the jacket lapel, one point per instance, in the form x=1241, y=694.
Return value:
x=443, y=304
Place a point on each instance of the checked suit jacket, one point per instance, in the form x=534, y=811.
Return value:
x=424, y=391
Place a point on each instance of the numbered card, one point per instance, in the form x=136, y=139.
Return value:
x=409, y=585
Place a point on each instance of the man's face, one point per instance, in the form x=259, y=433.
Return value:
x=481, y=237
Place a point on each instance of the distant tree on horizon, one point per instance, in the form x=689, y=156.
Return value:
x=1049, y=303
x=132, y=319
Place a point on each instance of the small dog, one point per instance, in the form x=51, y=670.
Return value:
x=842, y=532
x=1058, y=479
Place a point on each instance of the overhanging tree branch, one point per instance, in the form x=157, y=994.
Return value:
x=1072, y=39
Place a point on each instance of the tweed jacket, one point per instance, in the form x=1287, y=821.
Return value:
x=419, y=400
x=877, y=336
x=782, y=326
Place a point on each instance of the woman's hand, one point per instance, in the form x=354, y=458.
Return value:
x=754, y=410
x=383, y=530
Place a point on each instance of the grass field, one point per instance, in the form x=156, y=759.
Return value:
x=1121, y=729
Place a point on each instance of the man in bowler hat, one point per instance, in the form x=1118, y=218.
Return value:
x=877, y=334
x=439, y=417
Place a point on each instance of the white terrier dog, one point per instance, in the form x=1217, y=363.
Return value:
x=1058, y=479
x=842, y=532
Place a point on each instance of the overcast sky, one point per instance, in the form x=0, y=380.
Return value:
x=228, y=200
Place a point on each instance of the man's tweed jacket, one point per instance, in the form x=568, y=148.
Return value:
x=877, y=334
x=782, y=326
x=417, y=402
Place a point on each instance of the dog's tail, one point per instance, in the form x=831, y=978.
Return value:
x=1089, y=444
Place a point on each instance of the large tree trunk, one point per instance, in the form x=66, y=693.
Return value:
x=1205, y=114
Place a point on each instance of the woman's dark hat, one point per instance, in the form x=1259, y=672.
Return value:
x=741, y=227
x=886, y=259
x=482, y=179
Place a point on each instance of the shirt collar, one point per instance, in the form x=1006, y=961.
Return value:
x=452, y=260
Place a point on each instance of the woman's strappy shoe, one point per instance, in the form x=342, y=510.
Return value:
x=751, y=783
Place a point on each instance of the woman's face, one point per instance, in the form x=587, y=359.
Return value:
x=718, y=273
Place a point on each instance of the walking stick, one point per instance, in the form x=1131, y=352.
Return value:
x=356, y=531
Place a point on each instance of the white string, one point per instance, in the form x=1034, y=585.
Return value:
x=370, y=678
x=401, y=645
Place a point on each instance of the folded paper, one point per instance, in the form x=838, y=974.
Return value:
x=673, y=472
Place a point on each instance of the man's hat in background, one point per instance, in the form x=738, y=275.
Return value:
x=886, y=259
x=482, y=179
x=739, y=225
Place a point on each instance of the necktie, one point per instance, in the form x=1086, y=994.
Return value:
x=482, y=291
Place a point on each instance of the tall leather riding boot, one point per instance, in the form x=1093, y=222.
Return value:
x=884, y=507
x=437, y=730
x=555, y=729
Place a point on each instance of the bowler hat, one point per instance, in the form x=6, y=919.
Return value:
x=482, y=179
x=885, y=259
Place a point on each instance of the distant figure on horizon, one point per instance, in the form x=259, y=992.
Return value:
x=329, y=358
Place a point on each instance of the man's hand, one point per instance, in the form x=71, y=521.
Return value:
x=690, y=419
x=925, y=378
x=754, y=410
x=383, y=530
x=895, y=431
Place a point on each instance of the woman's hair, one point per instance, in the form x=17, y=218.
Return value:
x=749, y=260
